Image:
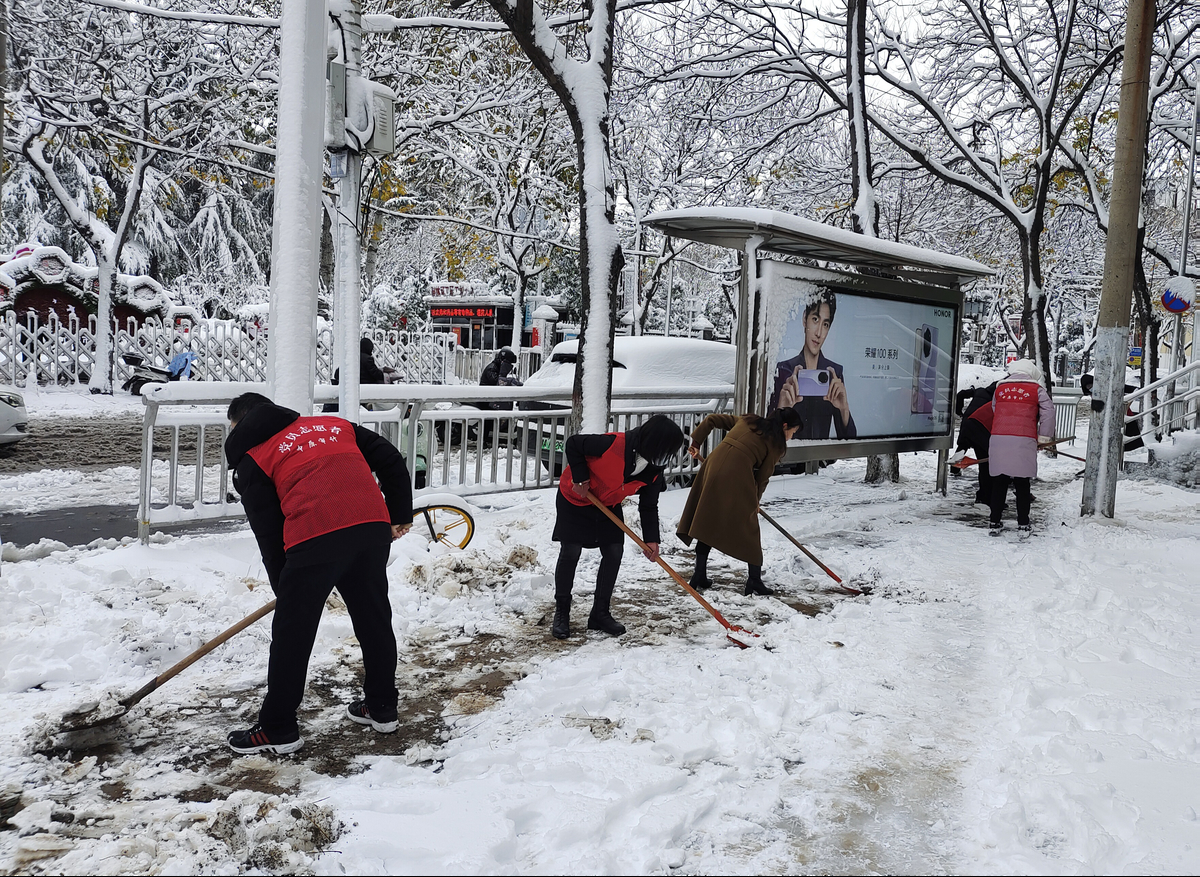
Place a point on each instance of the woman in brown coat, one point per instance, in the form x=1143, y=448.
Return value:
x=722, y=509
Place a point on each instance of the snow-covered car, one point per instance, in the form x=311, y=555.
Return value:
x=642, y=361
x=639, y=361
x=14, y=420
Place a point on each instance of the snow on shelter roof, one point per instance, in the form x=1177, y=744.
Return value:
x=795, y=236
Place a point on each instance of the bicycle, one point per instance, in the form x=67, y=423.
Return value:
x=446, y=518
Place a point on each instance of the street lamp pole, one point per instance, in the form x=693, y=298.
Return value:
x=1177, y=353
x=296, y=225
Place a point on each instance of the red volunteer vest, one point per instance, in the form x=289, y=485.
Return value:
x=607, y=477
x=323, y=480
x=1016, y=411
x=984, y=415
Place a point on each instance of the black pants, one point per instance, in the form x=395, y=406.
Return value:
x=354, y=561
x=606, y=579
x=1000, y=493
x=973, y=436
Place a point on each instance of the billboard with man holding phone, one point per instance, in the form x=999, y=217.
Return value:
x=856, y=364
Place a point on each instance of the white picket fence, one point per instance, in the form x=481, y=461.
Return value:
x=57, y=352
x=54, y=352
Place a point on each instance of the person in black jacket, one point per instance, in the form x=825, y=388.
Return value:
x=321, y=523
x=974, y=406
x=612, y=466
x=496, y=373
x=368, y=372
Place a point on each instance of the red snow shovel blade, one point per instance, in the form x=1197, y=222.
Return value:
x=838, y=579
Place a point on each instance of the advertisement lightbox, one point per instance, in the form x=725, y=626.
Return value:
x=858, y=361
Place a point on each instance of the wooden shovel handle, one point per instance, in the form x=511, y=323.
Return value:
x=198, y=654
x=670, y=570
x=807, y=553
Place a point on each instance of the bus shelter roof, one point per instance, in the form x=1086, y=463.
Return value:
x=792, y=235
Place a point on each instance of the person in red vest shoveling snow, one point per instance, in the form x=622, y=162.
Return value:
x=321, y=523
x=612, y=466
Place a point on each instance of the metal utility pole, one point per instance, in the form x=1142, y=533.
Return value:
x=3, y=95
x=1106, y=437
x=345, y=159
x=296, y=225
x=1178, y=359
x=670, y=288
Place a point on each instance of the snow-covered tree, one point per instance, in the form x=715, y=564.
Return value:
x=977, y=95
x=1089, y=152
x=113, y=109
x=580, y=73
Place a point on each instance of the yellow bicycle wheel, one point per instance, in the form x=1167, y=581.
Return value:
x=447, y=524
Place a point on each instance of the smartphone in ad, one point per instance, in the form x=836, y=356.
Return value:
x=811, y=382
x=924, y=370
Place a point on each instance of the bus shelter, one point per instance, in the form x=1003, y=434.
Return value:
x=860, y=334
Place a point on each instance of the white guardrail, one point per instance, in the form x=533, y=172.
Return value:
x=451, y=444
x=1175, y=398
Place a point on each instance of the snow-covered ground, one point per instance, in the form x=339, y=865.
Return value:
x=992, y=705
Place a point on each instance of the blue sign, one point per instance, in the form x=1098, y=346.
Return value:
x=1135, y=357
x=528, y=316
x=1174, y=303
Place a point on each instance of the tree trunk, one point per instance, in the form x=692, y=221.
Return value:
x=106, y=276
x=518, y=311
x=864, y=213
x=883, y=467
x=600, y=264
x=1033, y=307
x=585, y=89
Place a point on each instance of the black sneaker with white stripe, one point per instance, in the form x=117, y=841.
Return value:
x=383, y=722
x=255, y=739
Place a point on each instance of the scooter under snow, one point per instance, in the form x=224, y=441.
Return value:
x=180, y=367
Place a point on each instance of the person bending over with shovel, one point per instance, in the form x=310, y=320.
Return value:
x=722, y=508
x=321, y=523
x=611, y=466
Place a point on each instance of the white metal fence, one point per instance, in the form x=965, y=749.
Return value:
x=58, y=352
x=53, y=352
x=451, y=445
x=1173, y=401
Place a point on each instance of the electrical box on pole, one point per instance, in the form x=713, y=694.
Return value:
x=383, y=112
x=335, y=118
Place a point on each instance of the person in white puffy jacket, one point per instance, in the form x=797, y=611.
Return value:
x=1022, y=419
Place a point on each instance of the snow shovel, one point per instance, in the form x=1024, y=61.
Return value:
x=849, y=590
x=730, y=629
x=971, y=461
x=92, y=715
